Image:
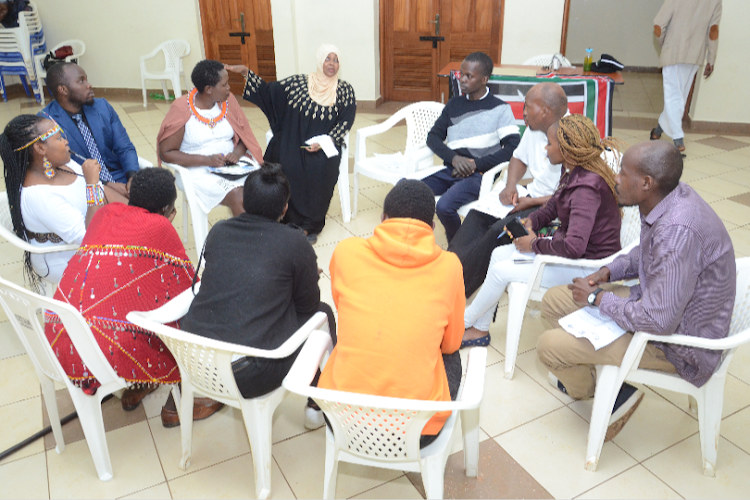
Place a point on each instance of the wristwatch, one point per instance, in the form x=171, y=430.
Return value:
x=592, y=296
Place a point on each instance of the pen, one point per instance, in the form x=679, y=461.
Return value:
x=502, y=234
x=77, y=155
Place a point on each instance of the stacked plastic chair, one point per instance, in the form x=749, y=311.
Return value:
x=18, y=46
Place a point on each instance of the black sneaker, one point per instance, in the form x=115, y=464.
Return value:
x=626, y=403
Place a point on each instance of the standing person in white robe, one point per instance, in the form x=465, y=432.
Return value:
x=688, y=31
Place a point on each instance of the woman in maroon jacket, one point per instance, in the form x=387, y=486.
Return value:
x=586, y=206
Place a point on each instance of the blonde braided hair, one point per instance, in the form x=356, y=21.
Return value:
x=580, y=146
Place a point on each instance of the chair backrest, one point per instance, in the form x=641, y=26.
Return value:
x=174, y=51
x=79, y=48
x=546, y=59
x=741, y=312
x=630, y=230
x=22, y=308
x=420, y=117
x=5, y=220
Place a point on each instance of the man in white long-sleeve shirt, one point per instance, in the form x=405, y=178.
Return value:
x=688, y=31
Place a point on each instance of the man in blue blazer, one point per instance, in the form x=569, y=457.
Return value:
x=91, y=126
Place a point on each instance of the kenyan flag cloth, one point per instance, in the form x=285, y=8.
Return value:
x=587, y=95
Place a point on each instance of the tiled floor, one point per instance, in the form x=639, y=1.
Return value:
x=533, y=437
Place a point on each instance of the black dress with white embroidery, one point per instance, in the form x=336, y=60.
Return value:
x=295, y=118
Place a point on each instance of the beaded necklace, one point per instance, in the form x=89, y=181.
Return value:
x=211, y=122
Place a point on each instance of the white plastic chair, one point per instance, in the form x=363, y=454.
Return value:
x=415, y=162
x=546, y=59
x=485, y=188
x=174, y=51
x=384, y=432
x=6, y=231
x=709, y=397
x=144, y=163
x=343, y=182
x=21, y=306
x=534, y=289
x=206, y=369
x=79, y=48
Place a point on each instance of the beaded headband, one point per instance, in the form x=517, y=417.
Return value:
x=42, y=137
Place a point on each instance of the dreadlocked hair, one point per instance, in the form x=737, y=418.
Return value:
x=580, y=146
x=18, y=132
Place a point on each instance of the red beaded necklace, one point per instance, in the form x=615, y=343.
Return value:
x=211, y=122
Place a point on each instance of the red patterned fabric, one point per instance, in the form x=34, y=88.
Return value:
x=129, y=260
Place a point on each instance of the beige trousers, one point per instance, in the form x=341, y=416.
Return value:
x=572, y=360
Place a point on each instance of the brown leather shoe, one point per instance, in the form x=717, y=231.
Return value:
x=131, y=398
x=202, y=408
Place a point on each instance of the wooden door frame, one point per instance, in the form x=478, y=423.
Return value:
x=564, y=37
x=496, y=40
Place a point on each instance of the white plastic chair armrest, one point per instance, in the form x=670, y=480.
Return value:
x=473, y=388
x=703, y=343
x=307, y=363
x=488, y=178
x=172, y=310
x=151, y=54
x=421, y=154
x=28, y=247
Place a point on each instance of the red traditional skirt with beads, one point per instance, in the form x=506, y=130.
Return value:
x=105, y=283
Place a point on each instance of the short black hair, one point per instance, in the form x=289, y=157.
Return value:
x=485, y=62
x=56, y=77
x=206, y=74
x=663, y=162
x=152, y=189
x=266, y=192
x=410, y=199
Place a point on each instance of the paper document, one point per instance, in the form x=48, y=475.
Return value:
x=239, y=169
x=326, y=144
x=491, y=205
x=589, y=323
x=523, y=258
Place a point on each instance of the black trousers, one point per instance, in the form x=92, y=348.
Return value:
x=453, y=370
x=257, y=376
x=475, y=241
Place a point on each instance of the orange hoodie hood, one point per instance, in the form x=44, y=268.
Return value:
x=405, y=242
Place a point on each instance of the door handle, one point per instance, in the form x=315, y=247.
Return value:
x=241, y=20
x=436, y=22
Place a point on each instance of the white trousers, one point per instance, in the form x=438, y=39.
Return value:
x=503, y=271
x=678, y=78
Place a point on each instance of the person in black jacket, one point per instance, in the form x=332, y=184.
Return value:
x=259, y=286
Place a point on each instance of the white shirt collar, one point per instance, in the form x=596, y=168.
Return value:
x=486, y=93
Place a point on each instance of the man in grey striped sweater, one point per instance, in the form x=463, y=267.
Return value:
x=475, y=132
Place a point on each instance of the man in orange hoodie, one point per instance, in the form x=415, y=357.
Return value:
x=400, y=300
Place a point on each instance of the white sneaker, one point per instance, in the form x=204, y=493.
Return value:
x=313, y=418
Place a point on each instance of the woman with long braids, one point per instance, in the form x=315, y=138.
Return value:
x=52, y=198
x=584, y=202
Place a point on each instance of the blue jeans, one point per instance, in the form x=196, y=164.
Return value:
x=454, y=193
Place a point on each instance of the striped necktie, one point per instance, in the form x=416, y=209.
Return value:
x=104, y=174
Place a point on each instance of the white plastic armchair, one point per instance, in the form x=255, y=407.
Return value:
x=489, y=179
x=22, y=308
x=546, y=60
x=79, y=48
x=519, y=294
x=6, y=231
x=144, y=163
x=174, y=51
x=709, y=397
x=343, y=181
x=384, y=432
x=206, y=369
x=414, y=163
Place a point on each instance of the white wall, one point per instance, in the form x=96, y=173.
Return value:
x=301, y=26
x=724, y=96
x=623, y=29
x=531, y=28
x=117, y=33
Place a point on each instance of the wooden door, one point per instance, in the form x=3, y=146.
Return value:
x=221, y=18
x=410, y=66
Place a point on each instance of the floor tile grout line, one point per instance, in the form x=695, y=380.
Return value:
x=382, y=484
x=608, y=480
x=662, y=481
x=158, y=456
x=283, y=475
x=525, y=423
